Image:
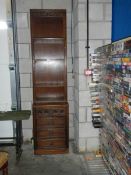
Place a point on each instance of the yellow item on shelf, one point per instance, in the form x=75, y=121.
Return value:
x=97, y=110
x=126, y=60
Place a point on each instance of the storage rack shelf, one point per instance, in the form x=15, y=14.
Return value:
x=115, y=99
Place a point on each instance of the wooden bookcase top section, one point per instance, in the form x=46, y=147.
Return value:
x=48, y=38
x=54, y=20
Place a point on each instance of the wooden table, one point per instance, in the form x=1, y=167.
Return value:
x=17, y=117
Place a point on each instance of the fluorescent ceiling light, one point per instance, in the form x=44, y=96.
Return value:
x=3, y=25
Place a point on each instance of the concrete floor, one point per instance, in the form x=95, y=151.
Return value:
x=67, y=164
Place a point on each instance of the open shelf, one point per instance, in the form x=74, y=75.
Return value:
x=53, y=48
x=49, y=84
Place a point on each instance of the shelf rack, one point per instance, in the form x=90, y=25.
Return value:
x=115, y=99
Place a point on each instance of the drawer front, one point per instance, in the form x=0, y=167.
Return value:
x=51, y=133
x=59, y=112
x=57, y=143
x=50, y=127
x=50, y=122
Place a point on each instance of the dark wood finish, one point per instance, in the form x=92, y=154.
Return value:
x=48, y=23
x=50, y=107
x=51, y=151
x=51, y=126
x=4, y=169
x=51, y=143
x=51, y=133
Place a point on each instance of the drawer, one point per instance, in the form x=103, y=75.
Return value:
x=50, y=122
x=48, y=143
x=51, y=133
x=50, y=112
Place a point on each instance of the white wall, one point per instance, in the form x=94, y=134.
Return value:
x=5, y=88
x=25, y=58
x=86, y=136
x=100, y=16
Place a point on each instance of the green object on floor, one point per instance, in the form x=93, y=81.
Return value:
x=15, y=115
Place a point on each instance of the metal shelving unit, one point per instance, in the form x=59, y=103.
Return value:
x=115, y=99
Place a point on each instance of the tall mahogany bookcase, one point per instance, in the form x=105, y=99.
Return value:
x=50, y=106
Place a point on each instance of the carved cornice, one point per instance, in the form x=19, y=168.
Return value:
x=47, y=13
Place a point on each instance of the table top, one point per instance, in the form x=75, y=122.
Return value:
x=15, y=115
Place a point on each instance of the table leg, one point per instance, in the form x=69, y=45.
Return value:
x=19, y=139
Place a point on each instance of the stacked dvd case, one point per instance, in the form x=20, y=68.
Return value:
x=95, y=67
x=115, y=98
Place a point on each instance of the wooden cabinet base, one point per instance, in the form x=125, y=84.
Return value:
x=46, y=151
x=51, y=133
